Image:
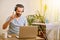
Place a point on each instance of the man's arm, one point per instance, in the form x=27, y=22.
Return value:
x=5, y=25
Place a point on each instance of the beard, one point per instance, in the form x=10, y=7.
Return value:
x=18, y=15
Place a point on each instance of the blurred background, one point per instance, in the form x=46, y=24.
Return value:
x=50, y=9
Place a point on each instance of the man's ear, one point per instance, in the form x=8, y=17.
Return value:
x=15, y=8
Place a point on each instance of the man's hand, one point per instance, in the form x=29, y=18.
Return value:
x=12, y=16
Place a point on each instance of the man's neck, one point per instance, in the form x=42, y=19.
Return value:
x=17, y=18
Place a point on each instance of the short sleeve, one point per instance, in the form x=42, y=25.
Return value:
x=26, y=23
x=7, y=18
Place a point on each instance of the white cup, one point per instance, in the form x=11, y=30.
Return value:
x=4, y=35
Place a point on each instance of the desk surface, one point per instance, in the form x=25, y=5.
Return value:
x=9, y=39
x=18, y=39
x=12, y=38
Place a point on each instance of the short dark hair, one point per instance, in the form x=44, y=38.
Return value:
x=19, y=5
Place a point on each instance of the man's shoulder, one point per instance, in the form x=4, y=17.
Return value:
x=23, y=16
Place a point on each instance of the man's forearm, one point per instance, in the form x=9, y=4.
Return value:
x=5, y=25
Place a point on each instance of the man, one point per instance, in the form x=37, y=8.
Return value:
x=15, y=20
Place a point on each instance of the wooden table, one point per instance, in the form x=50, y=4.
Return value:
x=9, y=39
x=12, y=38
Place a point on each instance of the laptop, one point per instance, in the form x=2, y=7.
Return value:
x=28, y=31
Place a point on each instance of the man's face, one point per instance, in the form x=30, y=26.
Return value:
x=19, y=11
